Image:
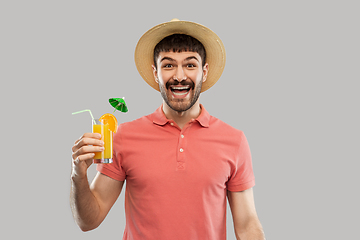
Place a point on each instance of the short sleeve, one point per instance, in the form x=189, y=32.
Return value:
x=242, y=175
x=111, y=171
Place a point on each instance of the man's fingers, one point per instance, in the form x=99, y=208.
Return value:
x=88, y=139
x=84, y=157
x=85, y=150
x=89, y=135
x=92, y=135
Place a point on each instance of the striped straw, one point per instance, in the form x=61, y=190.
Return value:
x=86, y=110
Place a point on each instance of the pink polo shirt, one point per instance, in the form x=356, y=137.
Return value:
x=176, y=179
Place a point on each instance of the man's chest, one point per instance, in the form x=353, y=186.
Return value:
x=178, y=161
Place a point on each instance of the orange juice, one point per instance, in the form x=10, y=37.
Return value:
x=106, y=136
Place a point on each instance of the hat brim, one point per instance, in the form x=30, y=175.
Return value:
x=215, y=50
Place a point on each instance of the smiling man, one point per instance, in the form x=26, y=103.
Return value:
x=177, y=76
x=180, y=75
x=180, y=163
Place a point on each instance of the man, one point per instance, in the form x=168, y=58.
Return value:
x=180, y=163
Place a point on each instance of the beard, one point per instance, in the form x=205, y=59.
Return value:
x=180, y=104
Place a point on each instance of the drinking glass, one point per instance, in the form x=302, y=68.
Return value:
x=106, y=136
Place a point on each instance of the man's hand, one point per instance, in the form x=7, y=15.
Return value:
x=84, y=151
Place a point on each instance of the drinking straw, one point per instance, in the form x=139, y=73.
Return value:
x=86, y=110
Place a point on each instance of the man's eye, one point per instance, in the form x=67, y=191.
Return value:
x=190, y=65
x=168, y=66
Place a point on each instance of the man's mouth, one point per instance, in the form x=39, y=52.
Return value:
x=180, y=90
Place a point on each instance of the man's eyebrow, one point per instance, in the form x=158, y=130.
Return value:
x=172, y=60
x=167, y=58
x=192, y=57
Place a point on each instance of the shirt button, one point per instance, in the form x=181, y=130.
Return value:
x=182, y=136
x=172, y=124
x=181, y=150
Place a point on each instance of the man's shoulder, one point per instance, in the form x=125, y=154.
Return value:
x=141, y=122
x=230, y=137
x=136, y=129
x=225, y=128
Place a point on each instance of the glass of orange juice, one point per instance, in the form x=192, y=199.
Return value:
x=105, y=156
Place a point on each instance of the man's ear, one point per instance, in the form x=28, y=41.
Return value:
x=155, y=73
x=205, y=71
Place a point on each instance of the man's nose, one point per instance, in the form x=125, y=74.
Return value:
x=180, y=74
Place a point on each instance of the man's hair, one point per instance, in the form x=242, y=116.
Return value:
x=180, y=43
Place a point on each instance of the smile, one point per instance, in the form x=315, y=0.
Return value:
x=180, y=90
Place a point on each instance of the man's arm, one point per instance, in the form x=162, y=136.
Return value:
x=90, y=204
x=246, y=222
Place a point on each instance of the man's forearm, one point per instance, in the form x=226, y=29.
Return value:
x=83, y=204
x=253, y=231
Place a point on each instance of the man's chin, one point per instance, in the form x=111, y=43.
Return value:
x=179, y=106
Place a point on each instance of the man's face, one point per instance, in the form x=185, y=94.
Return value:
x=180, y=77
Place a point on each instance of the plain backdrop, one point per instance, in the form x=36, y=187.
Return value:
x=291, y=83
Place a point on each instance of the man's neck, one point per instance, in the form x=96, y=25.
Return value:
x=182, y=118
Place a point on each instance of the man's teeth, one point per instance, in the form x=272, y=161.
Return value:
x=180, y=94
x=180, y=88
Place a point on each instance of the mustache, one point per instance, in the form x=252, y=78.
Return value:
x=174, y=82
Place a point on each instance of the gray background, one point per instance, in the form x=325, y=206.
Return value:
x=291, y=83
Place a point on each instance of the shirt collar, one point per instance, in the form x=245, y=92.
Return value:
x=204, y=117
x=159, y=117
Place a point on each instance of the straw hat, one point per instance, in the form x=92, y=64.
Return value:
x=215, y=51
